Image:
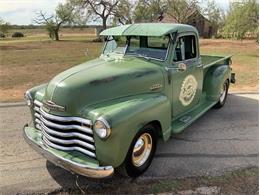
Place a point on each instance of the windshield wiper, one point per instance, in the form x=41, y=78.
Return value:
x=142, y=56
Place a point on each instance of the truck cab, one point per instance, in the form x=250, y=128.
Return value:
x=149, y=82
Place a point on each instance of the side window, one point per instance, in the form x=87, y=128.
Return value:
x=190, y=47
x=178, y=51
x=185, y=48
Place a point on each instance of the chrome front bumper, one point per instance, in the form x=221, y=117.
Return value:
x=88, y=169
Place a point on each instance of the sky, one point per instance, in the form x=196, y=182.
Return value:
x=22, y=12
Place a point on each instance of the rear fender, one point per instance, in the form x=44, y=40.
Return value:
x=214, y=79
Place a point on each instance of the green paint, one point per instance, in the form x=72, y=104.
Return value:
x=120, y=88
x=148, y=29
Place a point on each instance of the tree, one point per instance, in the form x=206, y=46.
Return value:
x=242, y=19
x=214, y=13
x=179, y=10
x=64, y=14
x=100, y=8
x=4, y=27
x=123, y=12
x=149, y=10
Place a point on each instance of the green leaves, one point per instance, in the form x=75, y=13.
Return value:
x=149, y=10
x=64, y=14
x=242, y=20
x=213, y=12
x=4, y=27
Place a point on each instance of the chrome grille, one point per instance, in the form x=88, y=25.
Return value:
x=65, y=133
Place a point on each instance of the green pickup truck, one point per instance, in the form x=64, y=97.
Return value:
x=107, y=114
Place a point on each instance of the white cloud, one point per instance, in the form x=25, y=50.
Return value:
x=23, y=11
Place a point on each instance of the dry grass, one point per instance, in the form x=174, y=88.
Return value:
x=26, y=64
x=244, y=60
x=63, y=32
x=34, y=60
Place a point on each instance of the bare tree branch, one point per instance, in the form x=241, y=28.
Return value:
x=102, y=8
x=64, y=14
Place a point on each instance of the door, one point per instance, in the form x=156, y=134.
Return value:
x=186, y=74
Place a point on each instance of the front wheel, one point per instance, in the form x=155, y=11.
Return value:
x=140, y=153
x=223, y=95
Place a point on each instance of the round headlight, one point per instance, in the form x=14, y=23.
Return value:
x=102, y=128
x=28, y=98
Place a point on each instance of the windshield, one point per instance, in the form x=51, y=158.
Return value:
x=140, y=46
x=115, y=45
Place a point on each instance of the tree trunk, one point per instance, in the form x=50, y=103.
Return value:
x=56, y=32
x=56, y=35
x=104, y=23
x=104, y=26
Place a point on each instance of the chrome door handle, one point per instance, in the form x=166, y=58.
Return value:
x=181, y=67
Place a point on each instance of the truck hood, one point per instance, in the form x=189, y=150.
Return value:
x=101, y=80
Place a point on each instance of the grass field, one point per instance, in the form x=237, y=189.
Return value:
x=244, y=60
x=35, y=59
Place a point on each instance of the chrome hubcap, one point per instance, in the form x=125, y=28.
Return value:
x=142, y=149
x=223, y=93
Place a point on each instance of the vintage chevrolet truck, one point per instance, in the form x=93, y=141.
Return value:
x=149, y=82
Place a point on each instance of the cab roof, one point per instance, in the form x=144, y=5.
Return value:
x=148, y=29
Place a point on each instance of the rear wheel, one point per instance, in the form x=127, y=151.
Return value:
x=223, y=95
x=141, y=152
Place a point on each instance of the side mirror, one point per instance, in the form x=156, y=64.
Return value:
x=181, y=68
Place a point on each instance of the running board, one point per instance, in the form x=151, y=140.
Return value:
x=179, y=124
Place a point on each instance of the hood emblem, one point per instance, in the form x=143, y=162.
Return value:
x=49, y=105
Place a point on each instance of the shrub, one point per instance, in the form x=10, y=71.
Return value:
x=97, y=40
x=2, y=35
x=18, y=34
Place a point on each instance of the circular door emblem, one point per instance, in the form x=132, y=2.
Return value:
x=188, y=90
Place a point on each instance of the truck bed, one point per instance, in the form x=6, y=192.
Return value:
x=209, y=60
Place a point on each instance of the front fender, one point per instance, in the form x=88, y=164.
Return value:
x=214, y=80
x=126, y=117
x=38, y=91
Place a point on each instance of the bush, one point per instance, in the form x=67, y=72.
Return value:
x=2, y=35
x=18, y=34
x=97, y=40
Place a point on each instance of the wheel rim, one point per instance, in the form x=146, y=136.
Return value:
x=223, y=93
x=142, y=149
